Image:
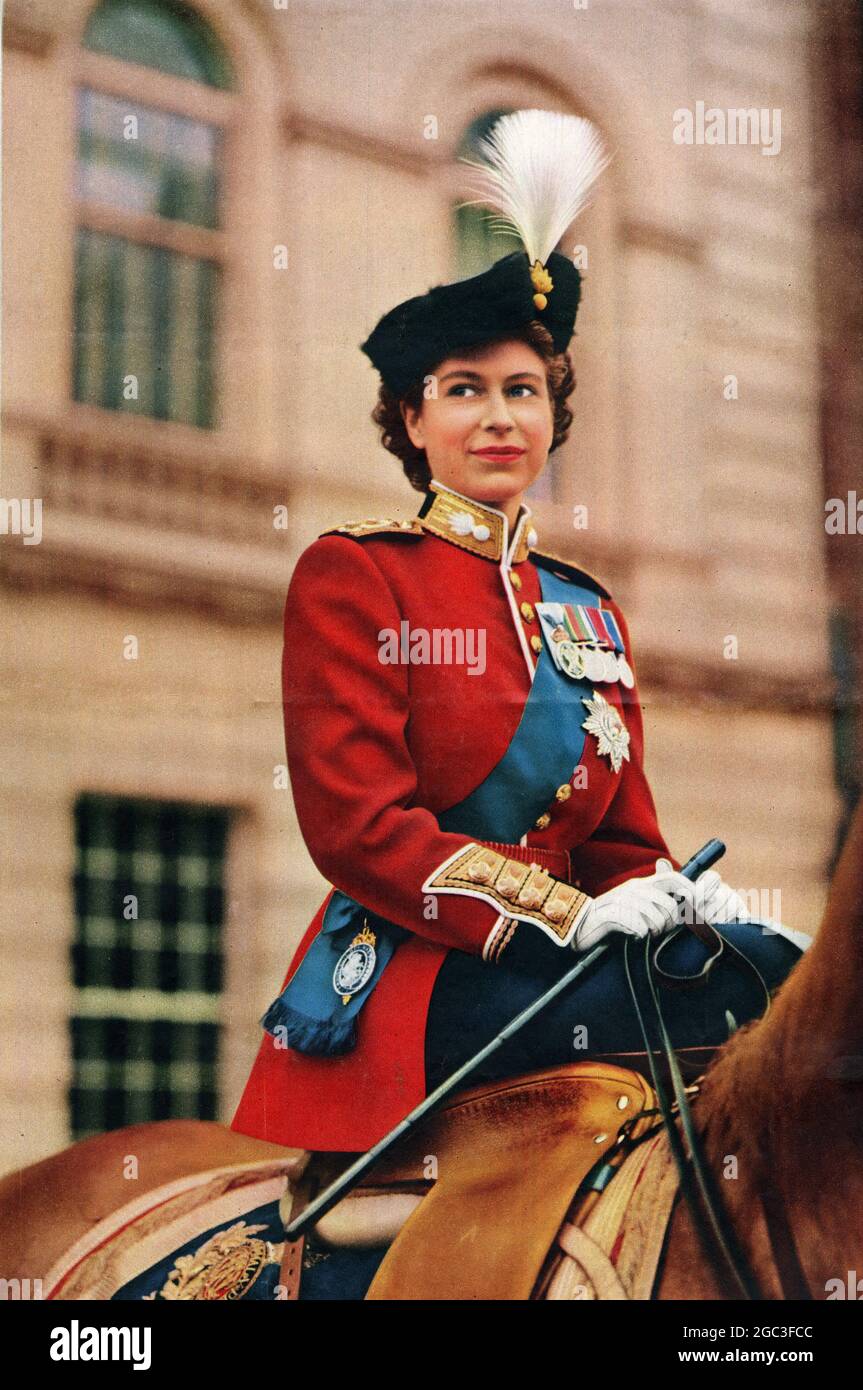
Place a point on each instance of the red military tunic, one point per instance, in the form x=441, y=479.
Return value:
x=378, y=750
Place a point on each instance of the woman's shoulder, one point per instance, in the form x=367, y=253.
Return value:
x=567, y=569
x=385, y=528
x=353, y=551
x=377, y=526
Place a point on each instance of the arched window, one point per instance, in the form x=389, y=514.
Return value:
x=477, y=247
x=152, y=113
x=161, y=34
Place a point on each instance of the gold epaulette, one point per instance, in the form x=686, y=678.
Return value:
x=567, y=569
x=378, y=526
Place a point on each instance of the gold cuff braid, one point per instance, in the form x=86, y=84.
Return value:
x=524, y=891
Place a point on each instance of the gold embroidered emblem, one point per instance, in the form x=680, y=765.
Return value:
x=225, y=1267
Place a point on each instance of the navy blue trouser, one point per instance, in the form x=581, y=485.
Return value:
x=472, y=1001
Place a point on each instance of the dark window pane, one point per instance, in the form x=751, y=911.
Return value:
x=162, y=34
x=137, y=318
x=469, y=145
x=477, y=247
x=145, y=160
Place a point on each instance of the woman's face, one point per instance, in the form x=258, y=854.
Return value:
x=494, y=400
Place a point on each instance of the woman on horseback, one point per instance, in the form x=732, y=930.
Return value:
x=464, y=730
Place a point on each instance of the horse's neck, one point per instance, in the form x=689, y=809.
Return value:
x=781, y=1098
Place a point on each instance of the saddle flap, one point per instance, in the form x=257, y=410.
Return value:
x=506, y=1159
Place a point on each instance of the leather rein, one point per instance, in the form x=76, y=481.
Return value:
x=718, y=1238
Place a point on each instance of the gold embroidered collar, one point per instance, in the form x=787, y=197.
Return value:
x=476, y=527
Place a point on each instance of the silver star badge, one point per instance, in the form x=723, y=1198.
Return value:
x=611, y=733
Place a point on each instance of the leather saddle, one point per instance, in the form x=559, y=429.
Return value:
x=471, y=1201
x=465, y=1207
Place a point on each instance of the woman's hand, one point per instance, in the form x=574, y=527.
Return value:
x=714, y=901
x=637, y=907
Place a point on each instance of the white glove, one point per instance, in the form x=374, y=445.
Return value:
x=636, y=907
x=714, y=901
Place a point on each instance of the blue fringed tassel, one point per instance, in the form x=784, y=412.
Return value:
x=317, y=1036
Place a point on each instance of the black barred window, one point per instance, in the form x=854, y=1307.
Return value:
x=147, y=961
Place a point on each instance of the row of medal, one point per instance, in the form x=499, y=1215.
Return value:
x=585, y=643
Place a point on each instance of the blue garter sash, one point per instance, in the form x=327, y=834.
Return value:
x=308, y=1014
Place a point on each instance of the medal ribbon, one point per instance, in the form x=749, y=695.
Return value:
x=603, y=635
x=613, y=630
x=578, y=623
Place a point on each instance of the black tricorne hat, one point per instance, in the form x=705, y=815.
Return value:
x=539, y=167
x=412, y=338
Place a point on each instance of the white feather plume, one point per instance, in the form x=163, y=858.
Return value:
x=541, y=166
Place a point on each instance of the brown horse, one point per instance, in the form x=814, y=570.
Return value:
x=782, y=1097
x=785, y=1097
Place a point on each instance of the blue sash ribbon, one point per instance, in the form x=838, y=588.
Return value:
x=548, y=743
x=544, y=750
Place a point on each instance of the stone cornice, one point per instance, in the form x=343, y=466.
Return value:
x=707, y=685
x=161, y=516
x=140, y=584
x=652, y=236
x=349, y=139
x=29, y=27
x=167, y=519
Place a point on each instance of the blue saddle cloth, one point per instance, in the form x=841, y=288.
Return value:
x=341, y=1275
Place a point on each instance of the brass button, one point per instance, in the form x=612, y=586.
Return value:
x=515, y=579
x=542, y=822
x=536, y=643
x=527, y=612
x=564, y=793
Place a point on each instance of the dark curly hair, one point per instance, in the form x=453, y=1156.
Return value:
x=560, y=377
